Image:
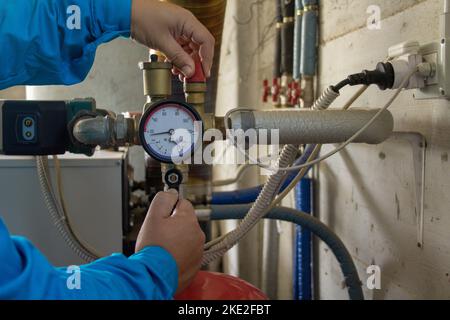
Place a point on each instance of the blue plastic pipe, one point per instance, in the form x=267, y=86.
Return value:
x=303, y=243
x=297, y=39
x=309, y=38
x=316, y=227
x=249, y=195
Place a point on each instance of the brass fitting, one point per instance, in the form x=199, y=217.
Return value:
x=196, y=96
x=308, y=91
x=157, y=78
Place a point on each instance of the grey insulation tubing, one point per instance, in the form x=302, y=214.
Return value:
x=352, y=280
x=316, y=127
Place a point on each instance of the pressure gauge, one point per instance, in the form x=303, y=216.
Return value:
x=171, y=131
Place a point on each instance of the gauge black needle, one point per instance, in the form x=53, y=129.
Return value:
x=171, y=131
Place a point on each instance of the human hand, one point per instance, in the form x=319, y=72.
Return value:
x=178, y=232
x=175, y=32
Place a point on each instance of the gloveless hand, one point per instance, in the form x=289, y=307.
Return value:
x=171, y=29
x=173, y=225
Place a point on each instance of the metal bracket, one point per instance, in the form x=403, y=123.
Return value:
x=419, y=151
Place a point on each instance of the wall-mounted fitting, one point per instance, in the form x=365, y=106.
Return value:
x=405, y=57
x=285, y=92
x=438, y=53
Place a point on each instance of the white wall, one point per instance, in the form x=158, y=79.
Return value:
x=367, y=193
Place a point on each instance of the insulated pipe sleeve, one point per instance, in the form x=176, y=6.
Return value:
x=287, y=37
x=309, y=38
x=297, y=38
x=315, y=127
x=277, y=62
x=316, y=227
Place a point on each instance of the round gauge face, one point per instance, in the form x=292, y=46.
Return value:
x=170, y=131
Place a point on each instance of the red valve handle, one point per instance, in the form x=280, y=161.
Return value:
x=276, y=90
x=199, y=75
x=266, y=90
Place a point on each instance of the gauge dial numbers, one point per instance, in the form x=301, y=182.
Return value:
x=170, y=131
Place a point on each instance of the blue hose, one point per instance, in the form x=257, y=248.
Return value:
x=306, y=221
x=303, y=244
x=297, y=39
x=309, y=38
x=250, y=195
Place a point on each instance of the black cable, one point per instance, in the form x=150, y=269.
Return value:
x=383, y=76
x=341, y=85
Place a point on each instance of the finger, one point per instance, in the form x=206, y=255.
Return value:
x=163, y=204
x=199, y=34
x=205, y=42
x=183, y=41
x=175, y=72
x=179, y=58
x=184, y=208
x=207, y=60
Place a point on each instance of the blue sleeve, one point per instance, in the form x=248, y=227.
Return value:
x=25, y=274
x=54, y=41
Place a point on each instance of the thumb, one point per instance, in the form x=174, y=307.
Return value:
x=163, y=204
x=178, y=56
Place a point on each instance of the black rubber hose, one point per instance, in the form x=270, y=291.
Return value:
x=233, y=212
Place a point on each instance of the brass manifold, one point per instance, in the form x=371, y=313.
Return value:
x=157, y=78
x=158, y=86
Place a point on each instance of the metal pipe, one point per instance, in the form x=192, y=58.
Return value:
x=106, y=131
x=315, y=127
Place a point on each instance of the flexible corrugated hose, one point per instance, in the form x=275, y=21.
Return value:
x=56, y=214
